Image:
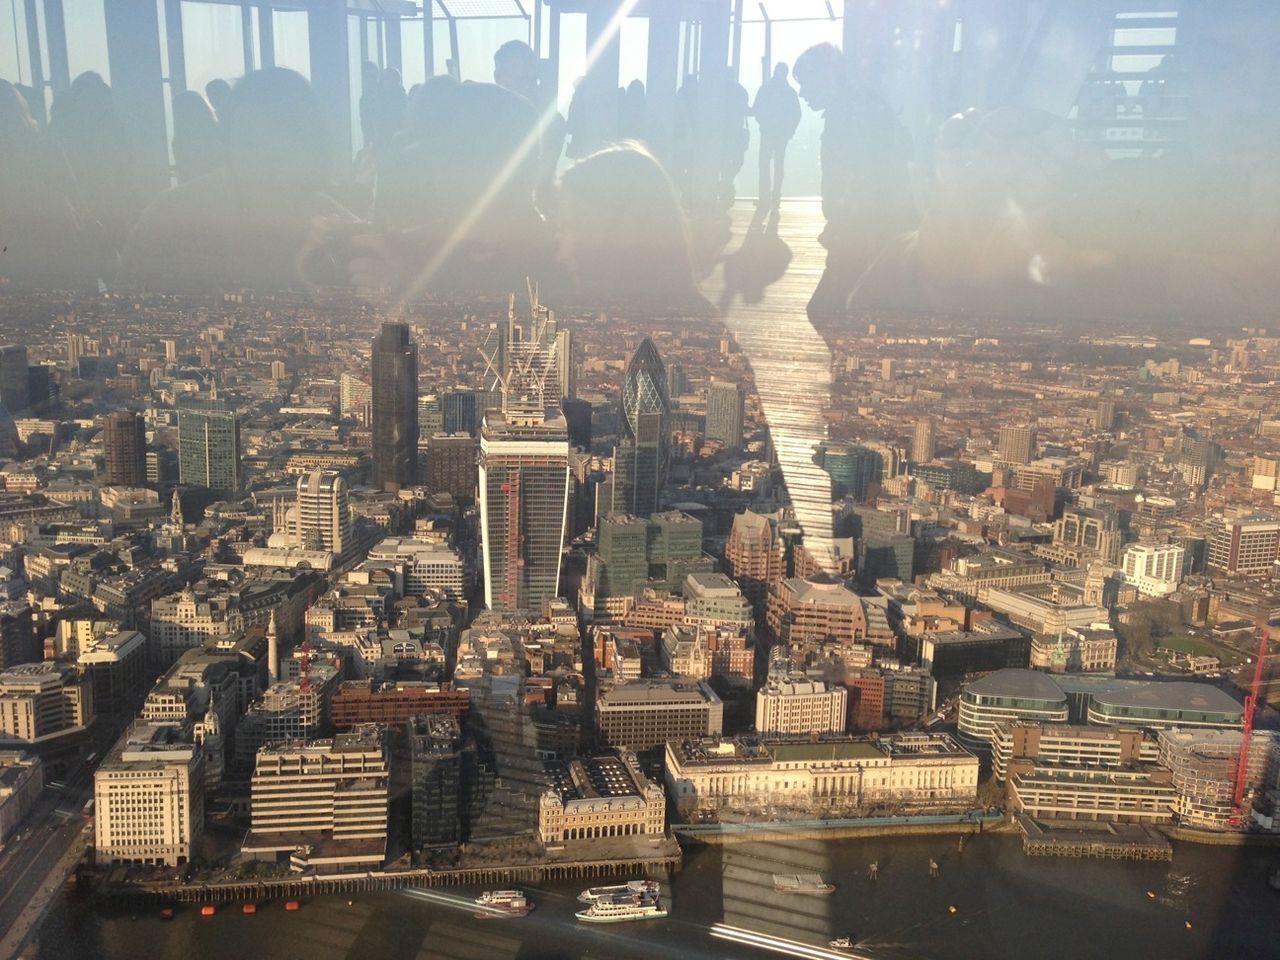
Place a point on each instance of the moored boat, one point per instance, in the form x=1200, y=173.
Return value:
x=630, y=888
x=810, y=883
x=841, y=943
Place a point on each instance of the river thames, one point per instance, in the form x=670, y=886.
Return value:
x=1209, y=902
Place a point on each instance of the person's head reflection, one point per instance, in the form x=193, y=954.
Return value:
x=622, y=234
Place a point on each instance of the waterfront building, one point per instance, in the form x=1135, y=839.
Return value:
x=1143, y=794
x=599, y=797
x=846, y=774
x=322, y=803
x=395, y=408
x=645, y=714
x=436, y=785
x=1159, y=705
x=1204, y=767
x=1067, y=745
x=1007, y=695
x=209, y=449
x=725, y=414
x=796, y=706
x=642, y=452
x=149, y=798
x=124, y=442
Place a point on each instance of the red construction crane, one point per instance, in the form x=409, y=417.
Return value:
x=1250, y=706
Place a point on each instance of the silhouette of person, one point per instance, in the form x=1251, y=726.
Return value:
x=197, y=141
x=84, y=121
x=632, y=113
x=734, y=135
x=866, y=188
x=516, y=68
x=622, y=237
x=39, y=233
x=218, y=93
x=247, y=224
x=408, y=174
x=777, y=112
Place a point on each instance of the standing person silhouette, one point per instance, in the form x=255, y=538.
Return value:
x=866, y=186
x=777, y=112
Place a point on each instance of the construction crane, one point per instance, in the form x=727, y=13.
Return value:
x=1250, y=707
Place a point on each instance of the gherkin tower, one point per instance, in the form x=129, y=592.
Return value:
x=641, y=456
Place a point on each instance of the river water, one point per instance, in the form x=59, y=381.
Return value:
x=1007, y=906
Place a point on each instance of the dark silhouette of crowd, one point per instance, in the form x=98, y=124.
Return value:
x=466, y=186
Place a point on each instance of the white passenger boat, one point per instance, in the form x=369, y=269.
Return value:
x=493, y=904
x=622, y=908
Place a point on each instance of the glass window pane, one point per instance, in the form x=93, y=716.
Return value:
x=292, y=39
x=212, y=42
x=86, y=37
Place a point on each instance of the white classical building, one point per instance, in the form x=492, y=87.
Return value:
x=149, y=797
x=186, y=619
x=799, y=707
x=901, y=770
x=604, y=796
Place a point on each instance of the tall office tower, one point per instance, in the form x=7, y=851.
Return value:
x=124, y=438
x=566, y=372
x=461, y=410
x=209, y=449
x=13, y=379
x=887, y=369
x=430, y=417
x=451, y=465
x=324, y=513
x=677, y=382
x=1105, y=418
x=41, y=387
x=395, y=408
x=924, y=445
x=641, y=454
x=524, y=468
x=724, y=414
x=755, y=555
x=75, y=350
x=854, y=469
x=170, y=350
x=355, y=398
x=1016, y=444
x=577, y=414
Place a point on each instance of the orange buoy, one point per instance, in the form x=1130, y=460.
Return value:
x=208, y=910
x=249, y=908
x=292, y=905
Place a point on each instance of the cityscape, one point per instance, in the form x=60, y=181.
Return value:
x=804, y=590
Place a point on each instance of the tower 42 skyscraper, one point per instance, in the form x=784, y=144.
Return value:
x=395, y=407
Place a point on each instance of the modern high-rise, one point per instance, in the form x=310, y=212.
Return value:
x=395, y=407
x=854, y=469
x=124, y=439
x=1016, y=444
x=524, y=471
x=1246, y=547
x=924, y=444
x=724, y=413
x=13, y=379
x=756, y=557
x=461, y=410
x=641, y=455
x=324, y=513
x=451, y=465
x=355, y=398
x=566, y=372
x=1155, y=569
x=209, y=449
x=1105, y=416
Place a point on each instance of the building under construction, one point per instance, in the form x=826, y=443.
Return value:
x=1204, y=764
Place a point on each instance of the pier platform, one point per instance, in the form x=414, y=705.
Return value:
x=1087, y=838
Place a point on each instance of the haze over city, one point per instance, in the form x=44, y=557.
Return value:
x=788, y=478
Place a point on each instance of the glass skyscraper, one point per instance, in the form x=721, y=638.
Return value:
x=395, y=407
x=724, y=414
x=642, y=452
x=524, y=472
x=209, y=449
